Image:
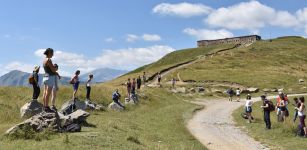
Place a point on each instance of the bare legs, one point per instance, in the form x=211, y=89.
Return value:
x=47, y=92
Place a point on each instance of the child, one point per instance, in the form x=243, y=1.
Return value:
x=88, y=86
x=75, y=82
x=55, y=88
x=36, y=89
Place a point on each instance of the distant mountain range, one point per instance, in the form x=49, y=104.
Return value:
x=19, y=78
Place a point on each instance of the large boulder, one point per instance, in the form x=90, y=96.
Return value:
x=116, y=107
x=93, y=106
x=78, y=104
x=79, y=116
x=30, y=109
x=181, y=90
x=250, y=90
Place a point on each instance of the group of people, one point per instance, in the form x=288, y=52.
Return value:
x=50, y=82
x=231, y=93
x=281, y=109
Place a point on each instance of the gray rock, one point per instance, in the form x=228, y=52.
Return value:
x=250, y=90
x=274, y=90
x=93, y=106
x=301, y=80
x=79, y=104
x=30, y=109
x=129, y=101
x=79, y=116
x=181, y=90
x=201, y=89
x=280, y=90
x=216, y=91
x=114, y=106
x=266, y=90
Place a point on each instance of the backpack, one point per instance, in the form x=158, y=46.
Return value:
x=31, y=79
x=271, y=106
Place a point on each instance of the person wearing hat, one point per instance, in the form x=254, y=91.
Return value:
x=49, y=79
x=36, y=89
x=266, y=111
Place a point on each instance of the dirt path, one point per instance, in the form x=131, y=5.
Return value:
x=215, y=129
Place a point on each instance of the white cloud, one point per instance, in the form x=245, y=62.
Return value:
x=151, y=37
x=181, y=9
x=18, y=66
x=204, y=34
x=131, y=38
x=109, y=40
x=252, y=16
x=284, y=19
x=246, y=15
x=302, y=17
x=129, y=58
x=145, y=37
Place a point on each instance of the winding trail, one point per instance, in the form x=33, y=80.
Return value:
x=215, y=129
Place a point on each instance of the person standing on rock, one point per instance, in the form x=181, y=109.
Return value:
x=238, y=94
x=49, y=79
x=35, y=84
x=302, y=114
x=248, y=108
x=129, y=86
x=139, y=82
x=88, y=87
x=116, y=97
x=75, y=82
x=266, y=111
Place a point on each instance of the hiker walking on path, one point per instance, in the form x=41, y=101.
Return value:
x=129, y=86
x=55, y=88
x=144, y=78
x=248, y=108
x=238, y=94
x=159, y=78
x=116, y=97
x=230, y=93
x=139, y=82
x=173, y=83
x=297, y=105
x=266, y=111
x=75, y=82
x=302, y=114
x=88, y=87
x=49, y=79
x=35, y=83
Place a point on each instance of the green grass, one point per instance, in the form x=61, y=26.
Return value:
x=281, y=136
x=277, y=64
x=156, y=123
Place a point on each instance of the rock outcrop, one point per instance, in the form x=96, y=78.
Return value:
x=30, y=109
x=116, y=107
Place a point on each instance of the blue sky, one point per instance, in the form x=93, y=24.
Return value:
x=131, y=33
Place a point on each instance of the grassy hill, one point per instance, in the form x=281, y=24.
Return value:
x=277, y=64
x=159, y=121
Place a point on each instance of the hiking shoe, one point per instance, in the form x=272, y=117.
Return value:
x=47, y=109
x=53, y=108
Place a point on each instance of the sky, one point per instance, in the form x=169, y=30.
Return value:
x=128, y=34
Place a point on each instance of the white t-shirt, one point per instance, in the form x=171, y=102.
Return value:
x=302, y=113
x=238, y=92
x=249, y=103
x=89, y=83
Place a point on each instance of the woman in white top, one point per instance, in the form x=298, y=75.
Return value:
x=238, y=93
x=248, y=108
x=302, y=114
x=88, y=86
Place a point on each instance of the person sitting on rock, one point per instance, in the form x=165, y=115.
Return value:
x=116, y=97
x=75, y=82
x=88, y=87
x=35, y=84
x=49, y=78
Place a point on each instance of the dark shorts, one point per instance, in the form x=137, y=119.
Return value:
x=302, y=121
x=159, y=79
x=248, y=109
x=76, y=86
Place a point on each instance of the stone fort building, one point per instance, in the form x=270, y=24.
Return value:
x=235, y=40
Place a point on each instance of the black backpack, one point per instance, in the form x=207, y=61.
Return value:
x=271, y=106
